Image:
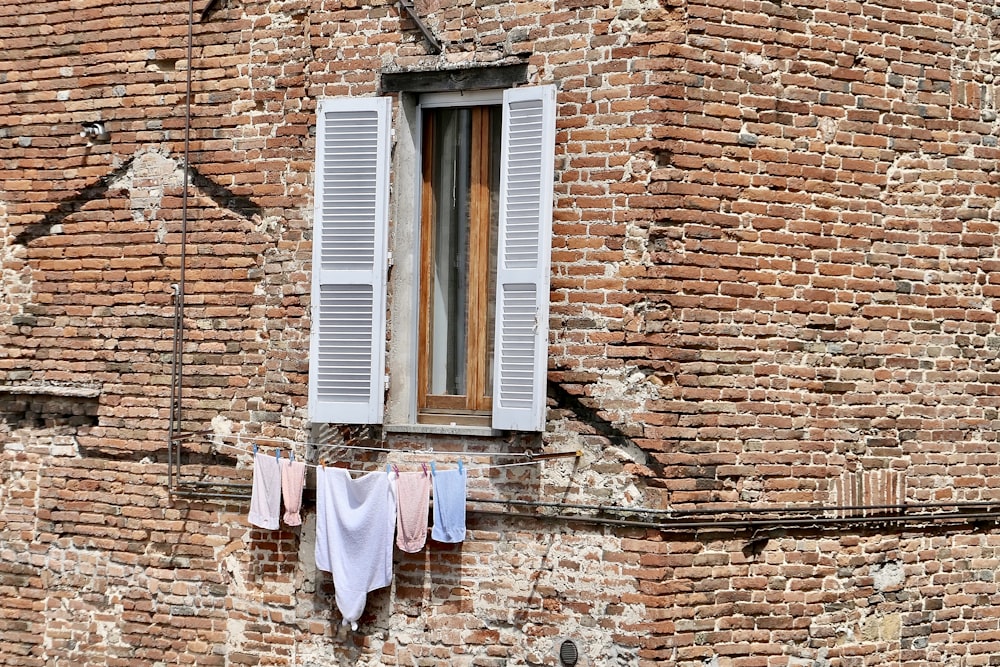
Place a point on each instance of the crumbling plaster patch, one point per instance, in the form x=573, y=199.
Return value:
x=151, y=174
x=888, y=576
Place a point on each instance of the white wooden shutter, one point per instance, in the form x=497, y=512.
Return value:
x=524, y=258
x=347, y=341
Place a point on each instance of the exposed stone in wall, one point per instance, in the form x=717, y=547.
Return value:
x=15, y=276
x=45, y=424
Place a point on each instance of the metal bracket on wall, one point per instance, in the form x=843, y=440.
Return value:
x=206, y=489
x=428, y=35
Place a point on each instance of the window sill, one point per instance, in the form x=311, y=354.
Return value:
x=444, y=429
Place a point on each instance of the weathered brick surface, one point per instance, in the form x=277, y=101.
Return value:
x=773, y=284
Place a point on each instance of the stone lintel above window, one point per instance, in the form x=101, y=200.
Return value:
x=440, y=81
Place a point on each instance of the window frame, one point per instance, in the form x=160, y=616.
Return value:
x=523, y=270
x=475, y=406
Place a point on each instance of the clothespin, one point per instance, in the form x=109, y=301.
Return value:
x=388, y=468
x=291, y=455
x=255, y=448
x=433, y=468
x=396, y=469
x=277, y=455
x=461, y=467
x=424, y=466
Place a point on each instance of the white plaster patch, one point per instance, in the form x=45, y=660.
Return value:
x=887, y=576
x=222, y=426
x=827, y=128
x=150, y=175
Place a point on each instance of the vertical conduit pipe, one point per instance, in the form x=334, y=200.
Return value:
x=174, y=382
x=176, y=390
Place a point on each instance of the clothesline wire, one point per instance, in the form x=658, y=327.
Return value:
x=270, y=442
x=473, y=467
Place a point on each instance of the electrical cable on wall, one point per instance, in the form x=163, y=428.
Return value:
x=733, y=519
x=470, y=467
x=292, y=444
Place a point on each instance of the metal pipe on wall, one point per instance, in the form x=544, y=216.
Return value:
x=687, y=525
x=177, y=362
x=181, y=493
x=806, y=509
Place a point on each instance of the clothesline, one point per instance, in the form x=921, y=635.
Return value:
x=358, y=521
x=533, y=457
x=480, y=467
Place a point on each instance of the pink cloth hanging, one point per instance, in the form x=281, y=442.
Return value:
x=293, y=478
x=265, y=495
x=413, y=490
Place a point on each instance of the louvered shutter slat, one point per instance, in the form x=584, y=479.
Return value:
x=523, y=258
x=347, y=342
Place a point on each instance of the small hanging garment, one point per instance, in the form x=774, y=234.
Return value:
x=449, y=505
x=293, y=478
x=413, y=491
x=355, y=519
x=265, y=494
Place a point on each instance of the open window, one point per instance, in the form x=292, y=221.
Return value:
x=475, y=338
x=459, y=212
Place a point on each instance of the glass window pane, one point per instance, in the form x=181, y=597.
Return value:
x=461, y=183
x=450, y=264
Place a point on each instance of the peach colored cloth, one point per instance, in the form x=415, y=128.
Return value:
x=293, y=478
x=413, y=490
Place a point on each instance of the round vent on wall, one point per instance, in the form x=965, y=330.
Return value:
x=568, y=653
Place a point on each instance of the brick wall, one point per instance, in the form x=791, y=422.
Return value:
x=773, y=283
x=836, y=259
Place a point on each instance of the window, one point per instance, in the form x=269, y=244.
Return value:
x=483, y=179
x=460, y=188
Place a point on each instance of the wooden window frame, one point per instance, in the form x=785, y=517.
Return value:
x=476, y=404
